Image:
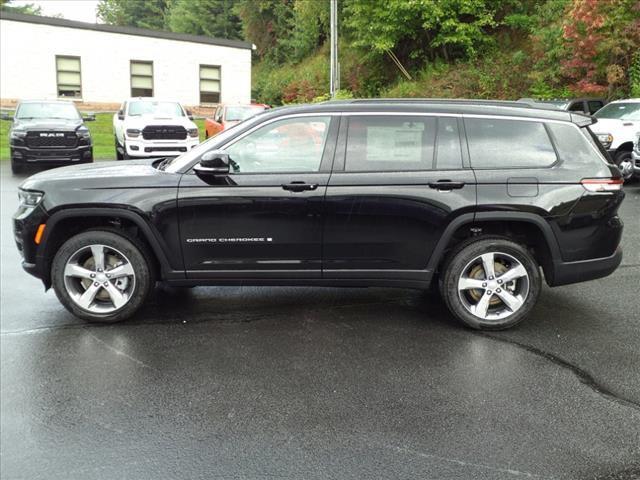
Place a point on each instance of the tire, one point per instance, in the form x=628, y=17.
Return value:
x=624, y=161
x=466, y=289
x=16, y=168
x=87, y=290
x=119, y=155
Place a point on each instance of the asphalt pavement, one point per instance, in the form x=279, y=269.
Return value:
x=320, y=383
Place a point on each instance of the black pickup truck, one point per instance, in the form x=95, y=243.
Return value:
x=48, y=133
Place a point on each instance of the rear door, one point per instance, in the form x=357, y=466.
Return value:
x=398, y=181
x=264, y=219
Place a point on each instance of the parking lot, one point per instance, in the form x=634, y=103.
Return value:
x=257, y=383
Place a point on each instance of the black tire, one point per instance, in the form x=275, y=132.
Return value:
x=625, y=156
x=119, y=156
x=138, y=256
x=16, y=168
x=459, y=260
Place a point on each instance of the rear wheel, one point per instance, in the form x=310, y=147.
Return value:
x=491, y=283
x=101, y=276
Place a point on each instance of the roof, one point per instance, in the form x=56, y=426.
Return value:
x=443, y=105
x=141, y=32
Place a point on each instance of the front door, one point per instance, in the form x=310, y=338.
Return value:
x=264, y=219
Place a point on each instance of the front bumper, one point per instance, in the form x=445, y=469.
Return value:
x=159, y=148
x=51, y=156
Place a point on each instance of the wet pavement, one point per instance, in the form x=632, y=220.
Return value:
x=305, y=383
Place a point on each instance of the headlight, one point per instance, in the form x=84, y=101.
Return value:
x=606, y=139
x=29, y=199
x=133, y=132
x=83, y=132
x=18, y=134
x=193, y=132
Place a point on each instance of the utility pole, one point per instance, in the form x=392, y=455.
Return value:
x=334, y=81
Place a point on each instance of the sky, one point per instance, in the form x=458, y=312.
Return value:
x=82, y=10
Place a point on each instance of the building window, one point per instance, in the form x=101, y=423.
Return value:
x=209, y=84
x=141, y=79
x=68, y=77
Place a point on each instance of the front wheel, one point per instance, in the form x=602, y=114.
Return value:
x=624, y=161
x=101, y=276
x=16, y=168
x=491, y=283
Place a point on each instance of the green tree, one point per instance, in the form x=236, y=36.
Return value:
x=215, y=18
x=28, y=8
x=134, y=13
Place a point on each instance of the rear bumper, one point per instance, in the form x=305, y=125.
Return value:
x=58, y=156
x=565, y=273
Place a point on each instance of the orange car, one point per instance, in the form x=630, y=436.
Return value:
x=228, y=115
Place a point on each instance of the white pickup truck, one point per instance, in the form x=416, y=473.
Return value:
x=617, y=126
x=147, y=127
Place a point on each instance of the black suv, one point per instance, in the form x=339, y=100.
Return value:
x=48, y=133
x=478, y=198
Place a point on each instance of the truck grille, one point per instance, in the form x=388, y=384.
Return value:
x=164, y=132
x=51, y=140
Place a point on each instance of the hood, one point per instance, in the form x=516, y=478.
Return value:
x=49, y=124
x=146, y=120
x=611, y=125
x=101, y=175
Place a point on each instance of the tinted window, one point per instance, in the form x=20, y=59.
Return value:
x=594, y=106
x=292, y=145
x=448, y=150
x=497, y=143
x=390, y=143
x=577, y=107
x=572, y=144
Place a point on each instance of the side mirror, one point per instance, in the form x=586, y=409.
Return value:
x=89, y=117
x=215, y=162
x=6, y=116
x=120, y=115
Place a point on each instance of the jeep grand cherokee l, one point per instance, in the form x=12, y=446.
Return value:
x=48, y=133
x=478, y=198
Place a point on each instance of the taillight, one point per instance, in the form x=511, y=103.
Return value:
x=602, y=184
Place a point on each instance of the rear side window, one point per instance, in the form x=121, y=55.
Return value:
x=390, y=143
x=573, y=145
x=499, y=143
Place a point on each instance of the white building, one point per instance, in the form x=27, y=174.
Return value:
x=49, y=58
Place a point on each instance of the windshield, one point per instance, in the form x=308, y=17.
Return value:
x=620, y=111
x=178, y=163
x=238, y=114
x=162, y=109
x=33, y=110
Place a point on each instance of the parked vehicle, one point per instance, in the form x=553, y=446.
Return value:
x=616, y=129
x=147, y=127
x=50, y=133
x=478, y=198
x=588, y=106
x=227, y=116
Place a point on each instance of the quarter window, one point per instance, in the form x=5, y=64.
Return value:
x=498, y=143
x=141, y=79
x=209, y=84
x=390, y=143
x=68, y=77
x=291, y=145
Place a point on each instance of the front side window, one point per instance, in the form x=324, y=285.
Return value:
x=141, y=79
x=290, y=145
x=594, y=106
x=68, y=77
x=498, y=143
x=577, y=107
x=209, y=84
x=390, y=143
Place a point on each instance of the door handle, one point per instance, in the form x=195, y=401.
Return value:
x=446, y=185
x=299, y=186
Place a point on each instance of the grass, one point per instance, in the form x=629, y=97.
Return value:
x=101, y=132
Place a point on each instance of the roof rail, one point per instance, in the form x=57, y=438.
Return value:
x=522, y=103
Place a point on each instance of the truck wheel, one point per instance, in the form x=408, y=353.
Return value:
x=119, y=156
x=490, y=283
x=16, y=168
x=624, y=161
x=101, y=276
